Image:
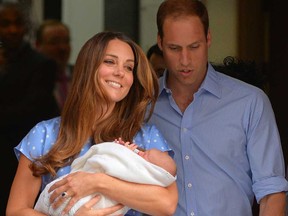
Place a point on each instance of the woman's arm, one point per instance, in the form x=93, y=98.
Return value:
x=154, y=200
x=24, y=191
x=150, y=199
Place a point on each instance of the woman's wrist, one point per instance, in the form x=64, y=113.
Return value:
x=100, y=182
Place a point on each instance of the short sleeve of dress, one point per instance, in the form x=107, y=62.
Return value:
x=39, y=140
x=150, y=137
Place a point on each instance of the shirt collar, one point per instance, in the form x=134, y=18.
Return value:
x=210, y=84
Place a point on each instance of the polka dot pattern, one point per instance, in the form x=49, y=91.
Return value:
x=43, y=136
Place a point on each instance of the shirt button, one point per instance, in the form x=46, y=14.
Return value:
x=192, y=214
x=184, y=129
x=189, y=185
x=187, y=157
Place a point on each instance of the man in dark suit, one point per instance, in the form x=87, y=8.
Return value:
x=26, y=89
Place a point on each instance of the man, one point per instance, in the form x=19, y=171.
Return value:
x=155, y=56
x=26, y=89
x=223, y=131
x=53, y=40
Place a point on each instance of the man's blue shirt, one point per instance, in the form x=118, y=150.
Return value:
x=226, y=146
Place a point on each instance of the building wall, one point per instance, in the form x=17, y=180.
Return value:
x=86, y=18
x=223, y=25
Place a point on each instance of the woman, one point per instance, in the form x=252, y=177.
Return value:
x=111, y=88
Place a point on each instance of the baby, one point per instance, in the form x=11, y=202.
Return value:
x=154, y=156
x=120, y=161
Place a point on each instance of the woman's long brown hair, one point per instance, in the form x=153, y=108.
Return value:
x=82, y=115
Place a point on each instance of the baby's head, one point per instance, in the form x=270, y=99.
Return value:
x=161, y=159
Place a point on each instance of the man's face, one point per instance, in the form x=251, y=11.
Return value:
x=12, y=28
x=56, y=44
x=185, y=49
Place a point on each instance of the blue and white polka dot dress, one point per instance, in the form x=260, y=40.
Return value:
x=42, y=137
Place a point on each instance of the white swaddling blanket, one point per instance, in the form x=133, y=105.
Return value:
x=114, y=160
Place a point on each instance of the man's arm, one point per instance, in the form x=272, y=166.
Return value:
x=273, y=205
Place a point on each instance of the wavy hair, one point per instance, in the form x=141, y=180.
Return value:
x=83, y=114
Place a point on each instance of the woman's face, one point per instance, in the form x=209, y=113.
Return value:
x=116, y=70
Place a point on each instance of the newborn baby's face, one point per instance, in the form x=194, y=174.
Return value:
x=153, y=155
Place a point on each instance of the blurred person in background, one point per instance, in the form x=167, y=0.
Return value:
x=26, y=89
x=155, y=56
x=53, y=40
